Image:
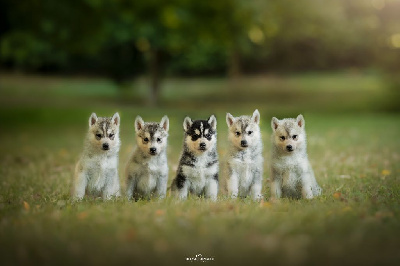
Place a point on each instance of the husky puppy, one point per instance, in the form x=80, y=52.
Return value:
x=147, y=168
x=291, y=172
x=245, y=159
x=198, y=166
x=96, y=172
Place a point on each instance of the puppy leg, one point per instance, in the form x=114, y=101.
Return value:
x=130, y=186
x=276, y=185
x=233, y=184
x=80, y=183
x=256, y=186
x=306, y=186
x=180, y=187
x=161, y=186
x=211, y=189
x=112, y=184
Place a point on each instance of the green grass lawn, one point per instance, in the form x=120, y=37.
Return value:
x=354, y=150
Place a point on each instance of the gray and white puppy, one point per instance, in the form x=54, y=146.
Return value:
x=147, y=168
x=96, y=172
x=291, y=172
x=245, y=159
x=198, y=166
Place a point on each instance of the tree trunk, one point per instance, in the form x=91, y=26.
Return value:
x=154, y=71
x=234, y=70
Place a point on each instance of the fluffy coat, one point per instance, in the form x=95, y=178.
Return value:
x=96, y=172
x=291, y=172
x=198, y=168
x=245, y=159
x=147, y=168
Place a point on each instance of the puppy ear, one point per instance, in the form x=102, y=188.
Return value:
x=165, y=123
x=229, y=119
x=187, y=123
x=115, y=119
x=139, y=123
x=274, y=123
x=213, y=122
x=92, y=119
x=300, y=120
x=256, y=117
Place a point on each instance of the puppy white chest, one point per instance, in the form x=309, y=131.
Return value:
x=148, y=180
x=243, y=169
x=97, y=169
x=199, y=173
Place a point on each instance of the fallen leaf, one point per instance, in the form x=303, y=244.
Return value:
x=265, y=204
x=160, y=212
x=346, y=209
x=337, y=195
x=82, y=215
x=26, y=206
x=385, y=172
x=130, y=234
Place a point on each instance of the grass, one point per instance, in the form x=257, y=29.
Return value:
x=354, y=153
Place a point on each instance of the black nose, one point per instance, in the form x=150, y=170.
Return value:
x=202, y=145
x=289, y=148
x=106, y=146
x=153, y=150
x=243, y=143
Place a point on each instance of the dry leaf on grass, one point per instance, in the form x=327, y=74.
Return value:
x=26, y=206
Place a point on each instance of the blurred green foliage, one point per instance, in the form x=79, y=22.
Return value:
x=116, y=38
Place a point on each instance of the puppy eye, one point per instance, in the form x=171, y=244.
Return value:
x=146, y=139
x=237, y=134
x=98, y=136
x=294, y=137
x=282, y=138
x=250, y=132
x=158, y=140
x=111, y=135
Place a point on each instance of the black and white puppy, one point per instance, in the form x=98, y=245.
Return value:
x=198, y=166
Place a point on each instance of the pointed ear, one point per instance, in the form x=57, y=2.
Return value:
x=165, y=123
x=92, y=119
x=115, y=119
x=187, y=123
x=300, y=120
x=229, y=119
x=139, y=123
x=213, y=122
x=274, y=123
x=256, y=117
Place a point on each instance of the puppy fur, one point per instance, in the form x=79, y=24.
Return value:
x=198, y=168
x=245, y=159
x=96, y=172
x=147, y=168
x=291, y=172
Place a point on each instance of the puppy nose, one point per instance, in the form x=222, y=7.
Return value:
x=105, y=146
x=153, y=150
x=202, y=145
x=243, y=143
x=289, y=147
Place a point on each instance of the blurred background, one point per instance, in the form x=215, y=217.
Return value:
x=335, y=61
x=331, y=55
